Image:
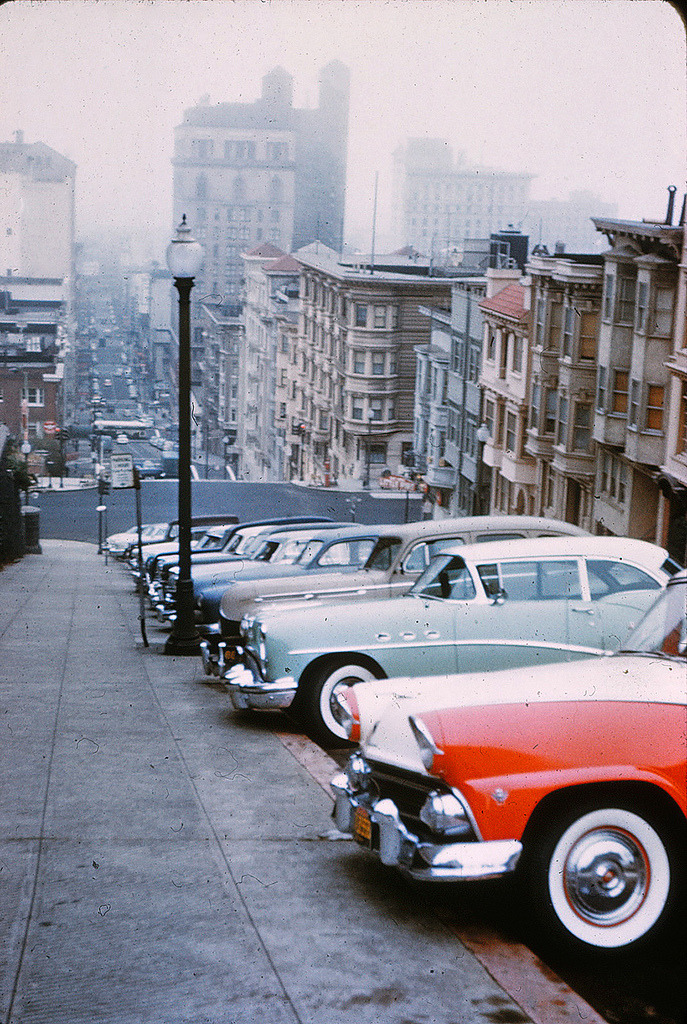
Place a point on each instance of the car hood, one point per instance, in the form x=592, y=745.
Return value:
x=385, y=706
x=343, y=625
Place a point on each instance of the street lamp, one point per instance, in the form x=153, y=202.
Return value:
x=483, y=436
x=184, y=259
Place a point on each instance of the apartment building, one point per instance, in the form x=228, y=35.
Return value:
x=640, y=364
x=566, y=300
x=353, y=396
x=505, y=375
x=438, y=201
x=248, y=173
x=270, y=315
x=33, y=317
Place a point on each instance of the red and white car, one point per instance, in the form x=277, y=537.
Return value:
x=572, y=776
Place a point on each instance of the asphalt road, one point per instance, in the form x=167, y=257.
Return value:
x=72, y=515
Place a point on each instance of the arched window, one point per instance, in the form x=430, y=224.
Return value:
x=276, y=190
x=201, y=186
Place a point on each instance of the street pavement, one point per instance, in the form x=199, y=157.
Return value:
x=166, y=861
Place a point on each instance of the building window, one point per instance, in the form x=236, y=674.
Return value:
x=550, y=414
x=356, y=407
x=360, y=315
x=540, y=323
x=358, y=361
x=588, y=331
x=568, y=331
x=619, y=398
x=33, y=343
x=489, y=417
x=642, y=306
x=663, y=313
x=377, y=363
x=534, y=407
x=601, y=389
x=511, y=436
x=33, y=396
x=391, y=410
x=380, y=316
x=626, y=299
x=581, y=427
x=516, y=358
x=654, y=407
x=608, y=297
x=376, y=409
x=633, y=418
x=377, y=454
x=561, y=435
x=282, y=410
x=491, y=347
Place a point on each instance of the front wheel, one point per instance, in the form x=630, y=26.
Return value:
x=317, y=696
x=603, y=878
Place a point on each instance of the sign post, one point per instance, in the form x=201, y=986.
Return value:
x=124, y=474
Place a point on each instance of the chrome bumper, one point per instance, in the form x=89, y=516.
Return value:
x=249, y=691
x=397, y=847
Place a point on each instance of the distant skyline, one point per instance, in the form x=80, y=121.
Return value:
x=584, y=94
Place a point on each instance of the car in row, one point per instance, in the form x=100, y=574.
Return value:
x=571, y=780
x=397, y=556
x=498, y=604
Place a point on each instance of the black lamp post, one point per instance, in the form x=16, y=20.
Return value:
x=483, y=436
x=184, y=259
x=368, y=451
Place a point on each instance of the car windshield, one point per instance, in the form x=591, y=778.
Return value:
x=663, y=630
x=446, y=578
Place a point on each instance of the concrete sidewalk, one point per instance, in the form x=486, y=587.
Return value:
x=165, y=861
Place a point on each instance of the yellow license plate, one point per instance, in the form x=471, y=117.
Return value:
x=362, y=826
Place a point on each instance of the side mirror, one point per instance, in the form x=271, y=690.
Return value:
x=498, y=596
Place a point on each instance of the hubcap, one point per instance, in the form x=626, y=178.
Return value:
x=606, y=876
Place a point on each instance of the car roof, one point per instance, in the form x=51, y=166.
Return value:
x=481, y=524
x=541, y=547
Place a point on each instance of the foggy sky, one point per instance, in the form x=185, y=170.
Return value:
x=585, y=94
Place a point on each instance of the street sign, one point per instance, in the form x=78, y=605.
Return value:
x=122, y=471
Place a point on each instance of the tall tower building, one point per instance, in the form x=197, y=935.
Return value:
x=252, y=173
x=36, y=211
x=439, y=202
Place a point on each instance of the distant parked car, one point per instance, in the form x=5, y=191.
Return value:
x=400, y=555
x=119, y=544
x=483, y=607
x=575, y=780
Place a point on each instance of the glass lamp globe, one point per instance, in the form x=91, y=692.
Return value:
x=184, y=253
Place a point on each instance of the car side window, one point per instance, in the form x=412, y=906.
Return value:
x=610, y=577
x=483, y=538
x=347, y=553
x=533, y=580
x=384, y=553
x=559, y=579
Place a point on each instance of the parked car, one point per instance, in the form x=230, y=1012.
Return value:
x=574, y=780
x=484, y=606
x=170, y=542
x=120, y=544
x=400, y=555
x=345, y=548
x=233, y=546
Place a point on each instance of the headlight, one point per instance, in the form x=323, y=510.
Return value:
x=247, y=624
x=358, y=773
x=445, y=814
x=428, y=748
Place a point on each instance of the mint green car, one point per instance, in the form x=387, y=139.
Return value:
x=477, y=607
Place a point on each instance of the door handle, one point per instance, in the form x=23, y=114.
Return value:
x=583, y=611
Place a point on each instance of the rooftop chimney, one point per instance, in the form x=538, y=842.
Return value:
x=19, y=137
x=671, y=203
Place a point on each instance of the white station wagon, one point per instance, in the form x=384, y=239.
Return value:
x=477, y=607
